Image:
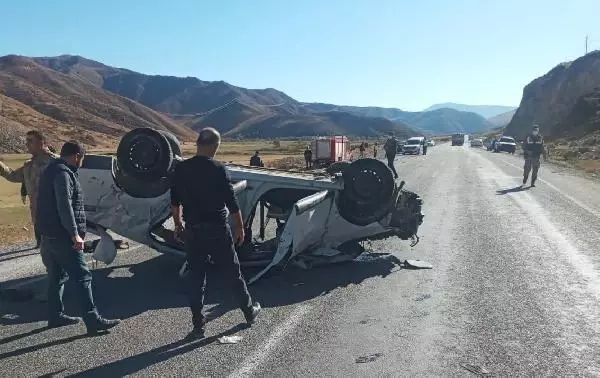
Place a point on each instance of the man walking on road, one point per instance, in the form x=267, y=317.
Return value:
x=391, y=148
x=29, y=174
x=61, y=223
x=533, y=148
x=207, y=231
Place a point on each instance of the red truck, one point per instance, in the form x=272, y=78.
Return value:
x=327, y=150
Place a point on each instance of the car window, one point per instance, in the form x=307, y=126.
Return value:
x=507, y=140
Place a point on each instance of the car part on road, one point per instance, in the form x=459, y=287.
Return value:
x=417, y=264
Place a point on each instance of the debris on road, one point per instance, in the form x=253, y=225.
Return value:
x=417, y=264
x=369, y=358
x=229, y=339
x=423, y=297
x=475, y=369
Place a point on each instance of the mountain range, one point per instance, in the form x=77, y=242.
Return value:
x=71, y=96
x=486, y=111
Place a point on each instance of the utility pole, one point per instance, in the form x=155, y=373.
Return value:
x=586, y=44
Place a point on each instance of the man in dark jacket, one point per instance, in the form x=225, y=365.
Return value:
x=207, y=232
x=308, y=157
x=256, y=161
x=62, y=224
x=391, y=148
x=533, y=148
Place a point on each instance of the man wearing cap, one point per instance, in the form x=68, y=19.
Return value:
x=29, y=174
x=61, y=223
x=202, y=192
x=533, y=148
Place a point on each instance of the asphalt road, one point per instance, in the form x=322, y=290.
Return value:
x=514, y=290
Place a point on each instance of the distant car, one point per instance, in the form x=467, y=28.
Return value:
x=506, y=144
x=413, y=146
x=430, y=143
x=476, y=143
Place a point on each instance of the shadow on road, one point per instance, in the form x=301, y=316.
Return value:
x=516, y=189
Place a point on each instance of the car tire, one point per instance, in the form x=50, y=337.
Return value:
x=145, y=154
x=368, y=192
x=138, y=188
x=174, y=142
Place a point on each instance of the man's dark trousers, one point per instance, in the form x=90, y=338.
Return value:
x=63, y=262
x=214, y=240
x=390, y=159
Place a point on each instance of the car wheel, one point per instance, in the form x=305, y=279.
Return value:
x=145, y=154
x=138, y=188
x=174, y=142
x=368, y=192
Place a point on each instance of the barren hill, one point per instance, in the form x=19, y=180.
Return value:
x=71, y=107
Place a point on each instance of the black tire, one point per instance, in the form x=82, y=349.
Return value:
x=138, y=188
x=145, y=154
x=174, y=142
x=337, y=167
x=368, y=191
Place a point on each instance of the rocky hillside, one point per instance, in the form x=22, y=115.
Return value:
x=64, y=106
x=561, y=101
x=241, y=112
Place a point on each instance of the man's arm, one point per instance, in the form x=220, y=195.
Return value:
x=176, y=201
x=233, y=205
x=63, y=189
x=12, y=175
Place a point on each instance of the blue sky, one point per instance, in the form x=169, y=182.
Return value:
x=394, y=53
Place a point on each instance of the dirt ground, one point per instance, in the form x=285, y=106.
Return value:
x=15, y=222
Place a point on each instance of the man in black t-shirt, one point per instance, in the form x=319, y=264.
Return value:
x=201, y=186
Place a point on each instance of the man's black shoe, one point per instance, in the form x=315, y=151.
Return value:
x=195, y=334
x=533, y=184
x=252, y=313
x=62, y=320
x=101, y=324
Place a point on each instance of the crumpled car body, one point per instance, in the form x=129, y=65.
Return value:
x=318, y=219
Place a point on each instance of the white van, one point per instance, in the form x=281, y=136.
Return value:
x=413, y=146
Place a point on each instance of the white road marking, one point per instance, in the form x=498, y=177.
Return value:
x=580, y=261
x=567, y=196
x=254, y=361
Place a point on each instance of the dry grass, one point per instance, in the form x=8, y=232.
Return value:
x=15, y=222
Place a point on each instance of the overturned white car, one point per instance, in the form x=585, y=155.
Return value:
x=316, y=216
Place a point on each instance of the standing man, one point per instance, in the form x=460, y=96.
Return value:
x=29, y=174
x=375, y=145
x=61, y=223
x=308, y=157
x=533, y=148
x=207, y=231
x=256, y=161
x=391, y=148
x=361, y=149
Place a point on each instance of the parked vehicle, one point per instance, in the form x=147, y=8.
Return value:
x=400, y=145
x=458, y=139
x=430, y=143
x=413, y=146
x=327, y=150
x=476, y=143
x=506, y=144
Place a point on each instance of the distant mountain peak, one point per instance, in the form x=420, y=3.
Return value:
x=486, y=111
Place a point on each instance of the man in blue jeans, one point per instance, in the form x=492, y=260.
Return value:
x=62, y=224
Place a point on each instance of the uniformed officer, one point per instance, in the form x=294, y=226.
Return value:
x=29, y=174
x=201, y=187
x=391, y=148
x=533, y=148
